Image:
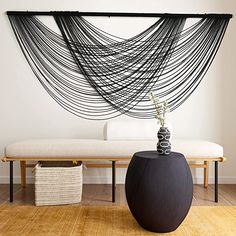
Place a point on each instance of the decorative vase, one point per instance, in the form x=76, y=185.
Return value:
x=163, y=145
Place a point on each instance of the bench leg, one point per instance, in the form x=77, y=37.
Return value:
x=11, y=181
x=206, y=173
x=23, y=173
x=113, y=181
x=216, y=181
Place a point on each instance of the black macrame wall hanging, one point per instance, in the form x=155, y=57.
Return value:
x=96, y=75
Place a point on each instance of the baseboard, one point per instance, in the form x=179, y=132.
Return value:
x=120, y=179
x=16, y=179
x=211, y=180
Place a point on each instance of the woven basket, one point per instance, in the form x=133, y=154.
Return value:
x=58, y=183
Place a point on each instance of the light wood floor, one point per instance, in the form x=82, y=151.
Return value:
x=100, y=194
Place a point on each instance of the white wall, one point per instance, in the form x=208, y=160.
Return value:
x=27, y=111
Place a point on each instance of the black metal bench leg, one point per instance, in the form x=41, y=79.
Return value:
x=113, y=181
x=11, y=181
x=216, y=181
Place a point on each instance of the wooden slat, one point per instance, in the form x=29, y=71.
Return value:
x=206, y=171
x=97, y=165
x=23, y=173
x=66, y=159
x=197, y=165
x=89, y=165
x=220, y=159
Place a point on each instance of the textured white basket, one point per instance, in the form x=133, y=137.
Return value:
x=58, y=183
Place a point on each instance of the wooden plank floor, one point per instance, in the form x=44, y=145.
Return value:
x=100, y=194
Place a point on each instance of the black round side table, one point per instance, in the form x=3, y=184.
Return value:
x=159, y=190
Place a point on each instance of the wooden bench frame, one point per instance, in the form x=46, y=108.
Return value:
x=113, y=165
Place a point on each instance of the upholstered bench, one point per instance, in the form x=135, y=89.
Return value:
x=121, y=141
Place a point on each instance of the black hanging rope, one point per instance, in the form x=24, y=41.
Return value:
x=96, y=75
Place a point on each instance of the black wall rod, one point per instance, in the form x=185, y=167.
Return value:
x=118, y=14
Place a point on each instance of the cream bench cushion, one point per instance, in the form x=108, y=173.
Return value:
x=121, y=140
x=76, y=148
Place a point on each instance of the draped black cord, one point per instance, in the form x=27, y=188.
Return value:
x=128, y=84
x=97, y=75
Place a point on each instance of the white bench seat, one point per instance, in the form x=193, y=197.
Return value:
x=96, y=148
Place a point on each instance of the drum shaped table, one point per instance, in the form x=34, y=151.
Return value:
x=159, y=190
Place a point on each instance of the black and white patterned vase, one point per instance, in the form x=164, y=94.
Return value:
x=163, y=145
